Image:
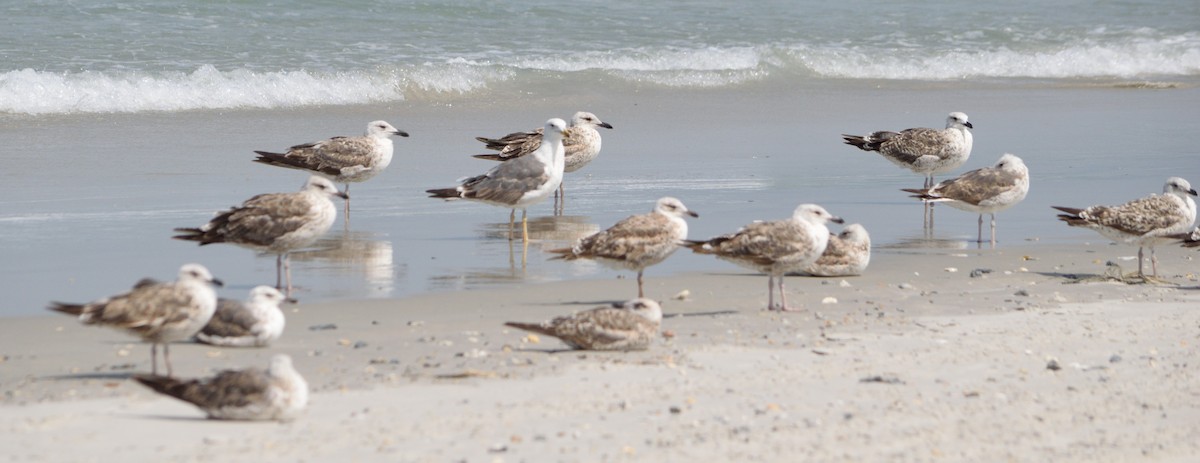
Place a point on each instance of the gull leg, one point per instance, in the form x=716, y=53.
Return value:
x=153, y=358
x=512, y=215
x=287, y=274
x=993, y=229
x=347, y=191
x=524, y=227
x=640, y=293
x=783, y=297
x=167, y=359
x=279, y=271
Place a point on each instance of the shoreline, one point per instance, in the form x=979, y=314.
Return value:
x=913, y=360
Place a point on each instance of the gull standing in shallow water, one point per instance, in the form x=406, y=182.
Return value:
x=636, y=242
x=341, y=159
x=253, y=323
x=1144, y=222
x=159, y=313
x=632, y=325
x=984, y=191
x=277, y=393
x=277, y=223
x=519, y=183
x=775, y=247
x=922, y=150
x=847, y=254
x=581, y=144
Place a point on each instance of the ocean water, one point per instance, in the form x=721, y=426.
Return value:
x=113, y=57
x=123, y=120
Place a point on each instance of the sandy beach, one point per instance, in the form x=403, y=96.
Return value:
x=1018, y=354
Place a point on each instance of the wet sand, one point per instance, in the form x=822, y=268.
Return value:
x=917, y=360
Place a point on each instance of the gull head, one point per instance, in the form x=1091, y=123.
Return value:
x=644, y=307
x=197, y=272
x=957, y=119
x=813, y=213
x=1178, y=187
x=855, y=234
x=280, y=364
x=555, y=129
x=381, y=129
x=323, y=185
x=267, y=294
x=672, y=207
x=583, y=118
x=1011, y=162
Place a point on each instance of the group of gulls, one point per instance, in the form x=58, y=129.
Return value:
x=532, y=168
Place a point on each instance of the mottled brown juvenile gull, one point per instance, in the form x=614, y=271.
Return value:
x=159, y=313
x=922, y=150
x=276, y=393
x=519, y=183
x=632, y=325
x=277, y=223
x=636, y=242
x=252, y=323
x=847, y=254
x=1144, y=222
x=342, y=159
x=983, y=191
x=775, y=248
x=581, y=143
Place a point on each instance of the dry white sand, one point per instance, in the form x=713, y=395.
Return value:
x=913, y=362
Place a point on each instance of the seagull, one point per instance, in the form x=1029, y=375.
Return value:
x=519, y=183
x=277, y=223
x=636, y=242
x=1145, y=221
x=984, y=191
x=253, y=323
x=847, y=254
x=775, y=247
x=581, y=143
x=276, y=393
x=632, y=325
x=922, y=150
x=159, y=313
x=341, y=159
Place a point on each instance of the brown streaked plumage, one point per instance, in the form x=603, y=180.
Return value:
x=277, y=223
x=983, y=191
x=922, y=150
x=775, y=248
x=159, y=313
x=276, y=393
x=251, y=323
x=635, y=242
x=341, y=159
x=847, y=254
x=1144, y=222
x=632, y=325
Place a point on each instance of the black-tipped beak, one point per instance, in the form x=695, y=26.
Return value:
x=837, y=220
x=968, y=125
x=291, y=300
x=1192, y=192
x=218, y=283
x=606, y=125
x=693, y=213
x=401, y=133
x=342, y=194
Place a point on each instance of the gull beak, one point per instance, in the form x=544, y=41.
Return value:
x=291, y=300
x=1192, y=192
x=968, y=125
x=693, y=213
x=605, y=125
x=837, y=219
x=342, y=194
x=400, y=133
x=217, y=283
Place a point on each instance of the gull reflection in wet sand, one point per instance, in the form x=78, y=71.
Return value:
x=355, y=252
x=549, y=232
x=926, y=241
